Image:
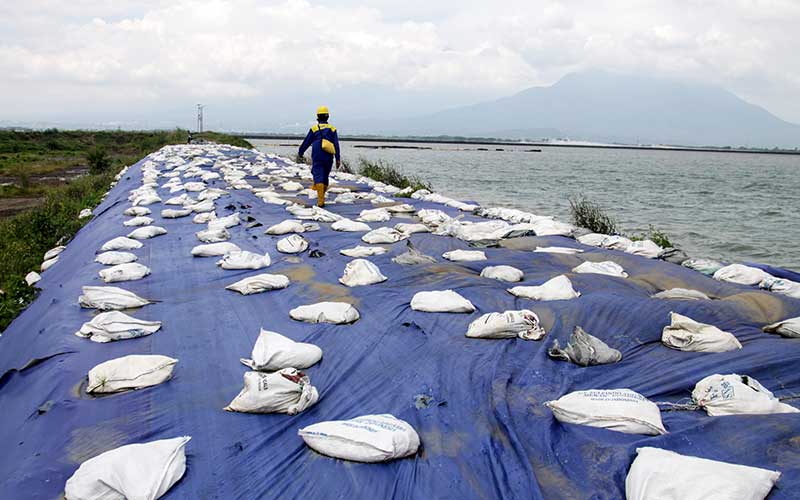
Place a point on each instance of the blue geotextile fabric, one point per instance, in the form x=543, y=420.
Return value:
x=484, y=429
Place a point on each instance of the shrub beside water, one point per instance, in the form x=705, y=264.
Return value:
x=658, y=237
x=591, y=216
x=385, y=172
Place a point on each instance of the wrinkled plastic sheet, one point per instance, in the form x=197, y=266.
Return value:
x=478, y=405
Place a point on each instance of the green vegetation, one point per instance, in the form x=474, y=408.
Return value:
x=588, y=215
x=28, y=157
x=591, y=216
x=385, y=172
x=25, y=237
x=98, y=160
x=658, y=237
x=346, y=168
x=223, y=139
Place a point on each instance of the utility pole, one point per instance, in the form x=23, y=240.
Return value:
x=199, y=118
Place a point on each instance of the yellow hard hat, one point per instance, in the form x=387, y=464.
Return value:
x=322, y=110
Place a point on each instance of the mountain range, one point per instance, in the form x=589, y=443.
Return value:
x=601, y=106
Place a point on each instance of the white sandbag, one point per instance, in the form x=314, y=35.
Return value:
x=741, y=274
x=370, y=438
x=286, y=391
x=558, y=288
x=121, y=243
x=173, y=213
x=736, y=395
x=114, y=325
x=214, y=249
x=285, y=227
x=383, y=235
x=607, y=268
x=32, y=278
x=194, y=187
x=48, y=264
x=464, y=255
x=666, y=475
x=146, y=232
x=411, y=228
x=213, y=235
x=273, y=352
x=781, y=286
x=561, y=250
x=129, y=373
x=138, y=221
x=412, y=257
x=789, y=328
x=403, y=208
x=53, y=252
x=360, y=272
x=183, y=199
x=141, y=471
x=705, y=266
x=259, y=283
x=292, y=244
x=621, y=410
x=509, y=274
x=124, y=272
x=204, y=218
x=350, y=226
x=242, y=259
x=681, y=294
x=362, y=251
x=592, y=239
x=584, y=349
x=549, y=227
x=201, y=207
x=107, y=298
x=86, y=212
x=224, y=222
x=145, y=199
x=644, y=248
x=113, y=258
x=441, y=301
x=136, y=211
x=616, y=242
x=686, y=334
x=374, y=215
x=507, y=325
x=325, y=312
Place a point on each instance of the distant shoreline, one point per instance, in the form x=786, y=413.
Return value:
x=490, y=142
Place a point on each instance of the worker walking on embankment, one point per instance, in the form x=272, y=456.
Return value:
x=324, y=142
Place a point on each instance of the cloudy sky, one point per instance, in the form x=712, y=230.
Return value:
x=264, y=64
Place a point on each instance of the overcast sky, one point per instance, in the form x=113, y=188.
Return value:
x=146, y=62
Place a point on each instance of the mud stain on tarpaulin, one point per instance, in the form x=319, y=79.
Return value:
x=761, y=307
x=786, y=453
x=305, y=276
x=553, y=482
x=435, y=273
x=451, y=444
x=660, y=281
x=87, y=442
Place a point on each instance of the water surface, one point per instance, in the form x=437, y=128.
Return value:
x=739, y=207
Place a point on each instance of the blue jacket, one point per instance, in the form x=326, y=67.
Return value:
x=314, y=139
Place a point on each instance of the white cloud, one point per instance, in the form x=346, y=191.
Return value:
x=164, y=53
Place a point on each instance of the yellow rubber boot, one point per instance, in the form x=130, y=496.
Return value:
x=320, y=189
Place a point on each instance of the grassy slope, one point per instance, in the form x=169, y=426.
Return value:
x=25, y=237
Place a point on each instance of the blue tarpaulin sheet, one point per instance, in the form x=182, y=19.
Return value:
x=484, y=428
